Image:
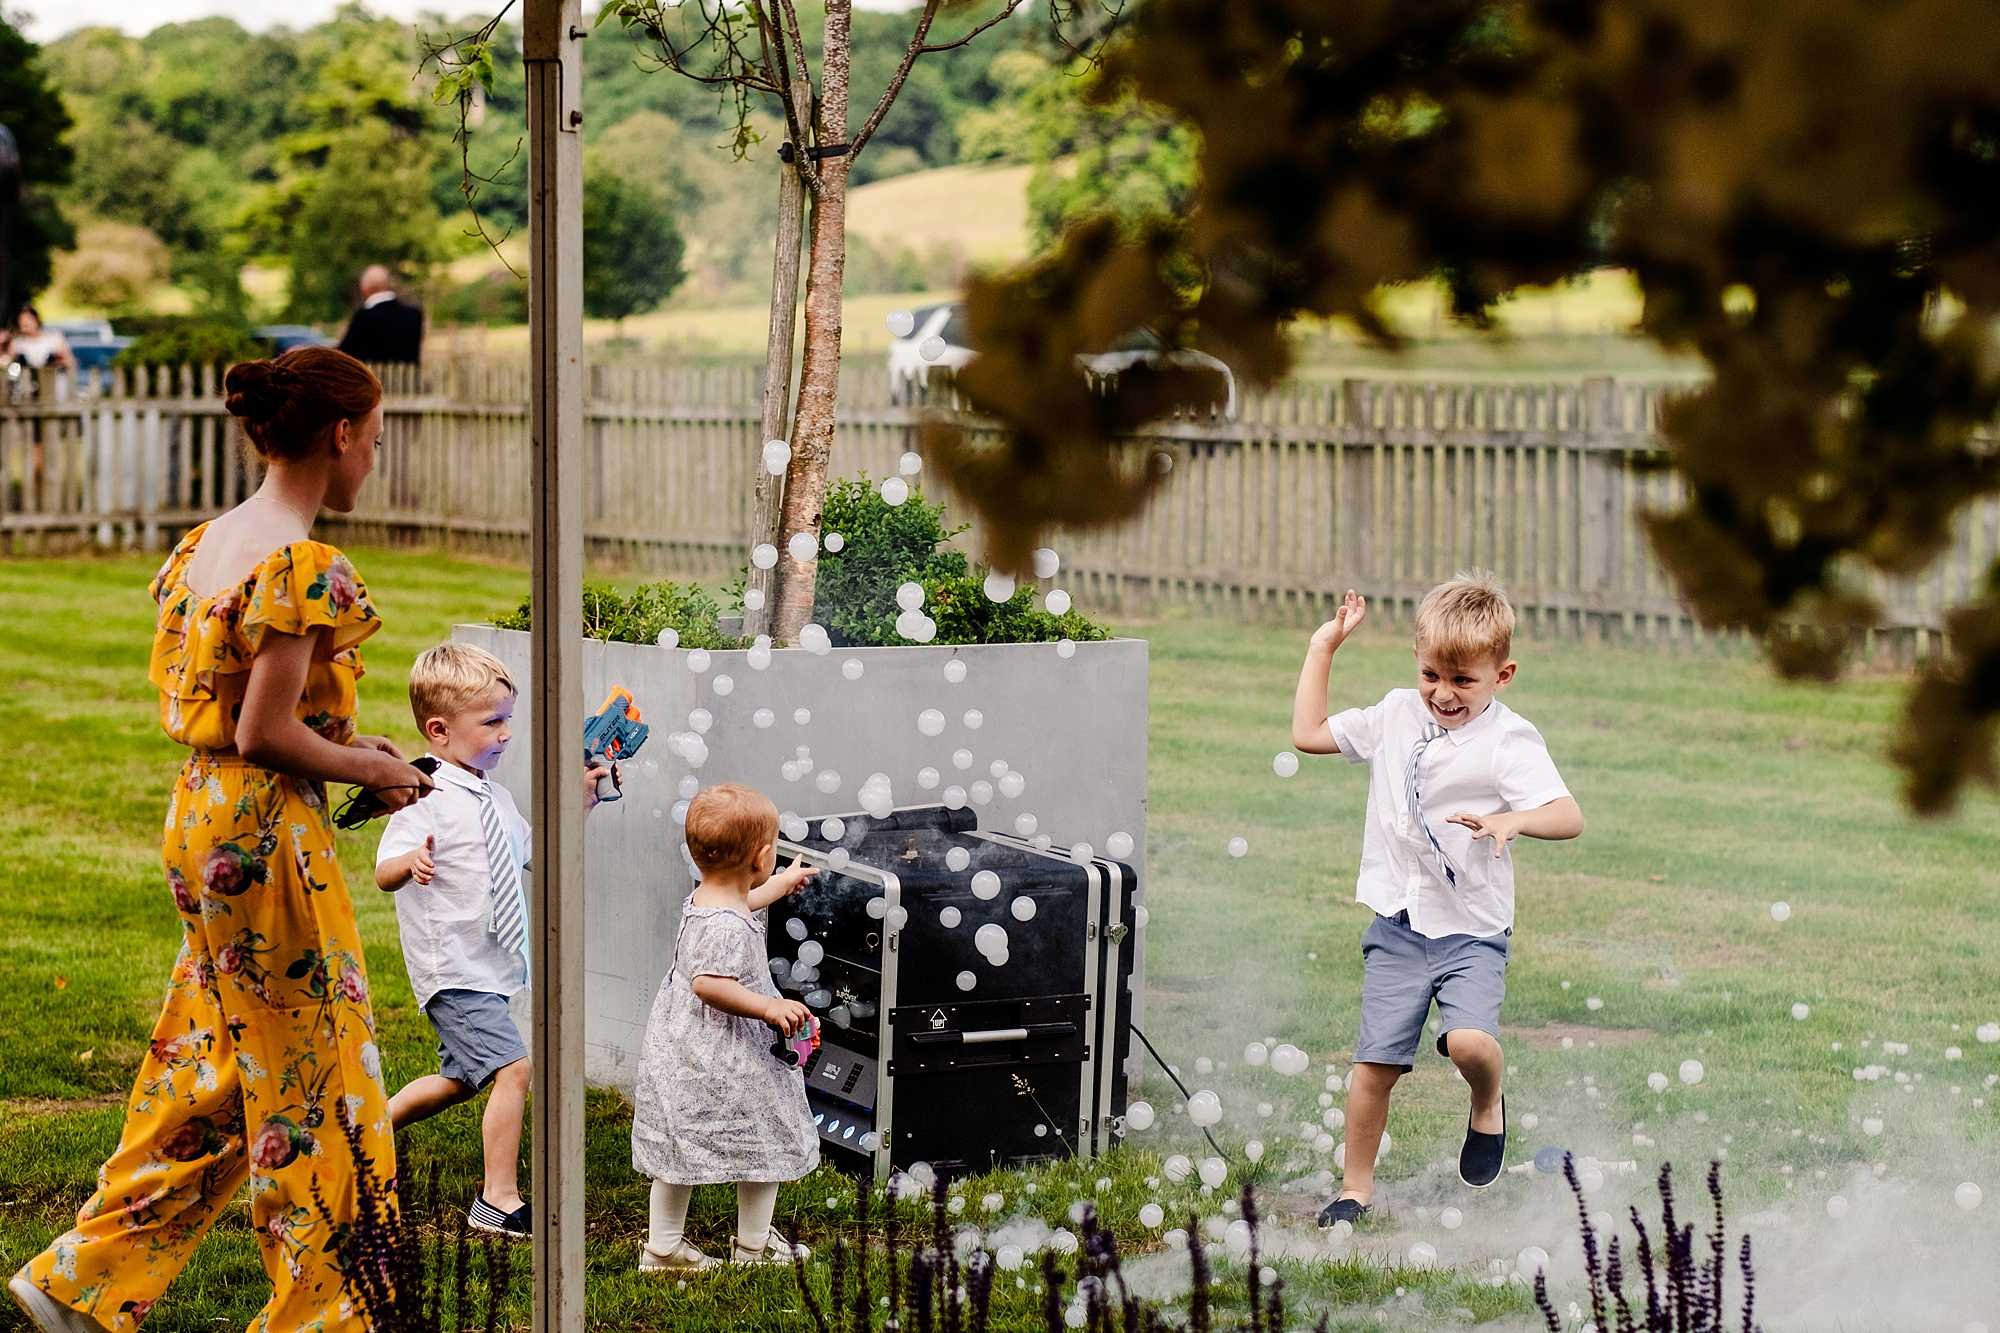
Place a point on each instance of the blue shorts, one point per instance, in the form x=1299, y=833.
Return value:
x=1403, y=972
x=476, y=1037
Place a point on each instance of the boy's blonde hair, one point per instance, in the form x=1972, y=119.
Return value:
x=451, y=677
x=726, y=824
x=1467, y=620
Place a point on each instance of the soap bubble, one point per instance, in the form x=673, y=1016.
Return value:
x=837, y=859
x=796, y=928
x=763, y=555
x=966, y=981
x=828, y=781
x=1451, y=1219
x=924, y=631
x=957, y=858
x=928, y=778
x=1057, y=602
x=1213, y=1171
x=1531, y=1260
x=910, y=464
x=724, y=685
x=953, y=798
x=1239, y=847
x=695, y=750
x=909, y=596
x=1871, y=1125
x=902, y=324
x=949, y=918
x=930, y=722
x=1151, y=1215
x=877, y=907
x=777, y=453
x=801, y=716
x=802, y=547
x=973, y=719
x=833, y=542
x=1065, y=648
x=701, y=720
x=1284, y=763
x=1836, y=1208
x=1047, y=563
x=1082, y=853
x=1968, y=1195
x=1781, y=911
x=811, y=952
x=759, y=658
x=763, y=719
x=961, y=759
x=894, y=491
x=753, y=599
x=1289, y=1060
x=931, y=348
x=689, y=787
x=669, y=637
x=1657, y=1081
x=1423, y=1254
x=954, y=671
x=1023, y=909
x=833, y=828
x=697, y=660
x=1691, y=1072
x=1256, y=1053
x=1012, y=784
x=1177, y=1168
x=990, y=939
x=986, y=886
x=1139, y=1116
x=1801, y=1012
x=1119, y=845
x=999, y=587
x=1204, y=1108
x=852, y=668
x=1025, y=824
x=1988, y=1033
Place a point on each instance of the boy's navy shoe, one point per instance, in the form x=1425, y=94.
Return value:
x=1479, y=1160
x=483, y=1216
x=1350, y=1211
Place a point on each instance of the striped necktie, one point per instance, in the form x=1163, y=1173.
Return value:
x=1432, y=731
x=509, y=918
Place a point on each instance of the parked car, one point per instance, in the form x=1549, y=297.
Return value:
x=92, y=342
x=945, y=331
x=284, y=337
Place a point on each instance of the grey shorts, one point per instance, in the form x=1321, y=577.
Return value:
x=1402, y=972
x=476, y=1037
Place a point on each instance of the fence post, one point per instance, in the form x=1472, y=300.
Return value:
x=1597, y=535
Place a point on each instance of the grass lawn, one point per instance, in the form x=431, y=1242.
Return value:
x=1711, y=792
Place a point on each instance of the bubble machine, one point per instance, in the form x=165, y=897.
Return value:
x=973, y=991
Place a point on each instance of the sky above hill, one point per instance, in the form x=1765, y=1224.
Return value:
x=46, y=20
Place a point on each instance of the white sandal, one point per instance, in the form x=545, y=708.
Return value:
x=683, y=1258
x=775, y=1250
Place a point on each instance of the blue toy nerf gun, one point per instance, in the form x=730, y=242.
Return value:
x=613, y=734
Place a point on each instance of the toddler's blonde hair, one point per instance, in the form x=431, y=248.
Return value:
x=451, y=677
x=1466, y=620
x=726, y=824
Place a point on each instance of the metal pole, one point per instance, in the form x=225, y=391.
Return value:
x=551, y=31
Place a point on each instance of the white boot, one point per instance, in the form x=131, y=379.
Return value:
x=775, y=1250
x=683, y=1258
x=48, y=1314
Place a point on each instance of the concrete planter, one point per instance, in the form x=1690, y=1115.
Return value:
x=1074, y=727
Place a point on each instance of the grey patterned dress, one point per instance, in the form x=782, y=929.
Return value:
x=713, y=1104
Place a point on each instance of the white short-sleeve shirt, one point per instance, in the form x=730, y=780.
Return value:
x=446, y=943
x=1495, y=762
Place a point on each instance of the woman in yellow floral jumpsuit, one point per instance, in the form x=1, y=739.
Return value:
x=266, y=1041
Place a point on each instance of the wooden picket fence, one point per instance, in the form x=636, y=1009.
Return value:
x=1382, y=486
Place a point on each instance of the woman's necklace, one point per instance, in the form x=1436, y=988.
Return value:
x=305, y=520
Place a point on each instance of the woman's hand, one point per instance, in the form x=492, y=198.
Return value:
x=382, y=743
x=788, y=1016
x=398, y=784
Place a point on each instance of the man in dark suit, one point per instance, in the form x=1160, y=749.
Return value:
x=384, y=329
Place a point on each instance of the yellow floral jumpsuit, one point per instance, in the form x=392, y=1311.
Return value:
x=266, y=1031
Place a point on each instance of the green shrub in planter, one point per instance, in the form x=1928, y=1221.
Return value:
x=640, y=615
x=965, y=614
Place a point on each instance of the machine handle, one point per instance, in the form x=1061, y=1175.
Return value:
x=987, y=1036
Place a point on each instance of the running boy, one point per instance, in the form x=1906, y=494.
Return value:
x=458, y=871
x=1449, y=766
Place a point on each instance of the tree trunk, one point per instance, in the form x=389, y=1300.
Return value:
x=777, y=382
x=819, y=376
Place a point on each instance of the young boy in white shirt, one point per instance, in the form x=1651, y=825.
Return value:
x=458, y=868
x=1449, y=766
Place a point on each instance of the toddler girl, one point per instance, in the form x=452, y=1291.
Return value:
x=713, y=1104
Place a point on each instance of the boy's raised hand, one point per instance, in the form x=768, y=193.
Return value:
x=1353, y=609
x=424, y=867
x=1502, y=827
